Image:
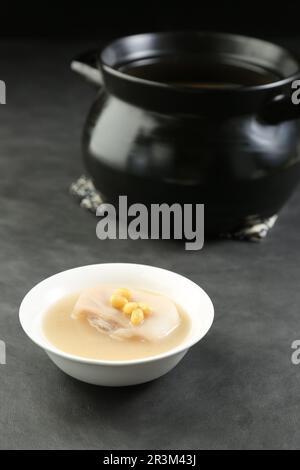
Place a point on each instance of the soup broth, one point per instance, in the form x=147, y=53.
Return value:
x=196, y=73
x=78, y=337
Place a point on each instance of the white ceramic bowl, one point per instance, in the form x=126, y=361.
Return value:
x=184, y=292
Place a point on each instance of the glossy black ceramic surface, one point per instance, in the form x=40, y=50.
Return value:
x=197, y=117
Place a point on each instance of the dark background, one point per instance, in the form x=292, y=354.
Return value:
x=96, y=19
x=237, y=388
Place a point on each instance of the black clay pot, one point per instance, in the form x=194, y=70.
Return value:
x=194, y=117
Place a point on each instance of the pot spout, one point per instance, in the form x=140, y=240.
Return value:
x=87, y=65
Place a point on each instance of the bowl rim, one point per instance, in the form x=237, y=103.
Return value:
x=184, y=346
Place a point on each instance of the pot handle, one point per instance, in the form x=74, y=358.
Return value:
x=86, y=64
x=284, y=107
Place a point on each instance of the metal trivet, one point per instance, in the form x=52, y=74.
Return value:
x=254, y=229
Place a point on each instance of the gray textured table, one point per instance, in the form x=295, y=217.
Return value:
x=236, y=389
